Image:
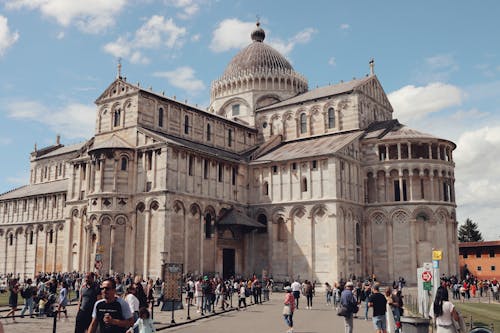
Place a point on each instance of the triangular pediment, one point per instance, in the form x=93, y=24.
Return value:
x=374, y=89
x=118, y=89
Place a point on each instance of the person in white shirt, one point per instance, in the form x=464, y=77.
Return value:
x=443, y=311
x=296, y=292
x=133, y=302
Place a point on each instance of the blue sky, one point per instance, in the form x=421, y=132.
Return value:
x=439, y=62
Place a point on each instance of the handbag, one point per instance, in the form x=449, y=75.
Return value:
x=343, y=311
x=287, y=310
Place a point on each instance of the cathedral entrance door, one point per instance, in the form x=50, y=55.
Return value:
x=228, y=263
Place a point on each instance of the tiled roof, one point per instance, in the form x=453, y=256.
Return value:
x=37, y=189
x=309, y=147
x=64, y=150
x=191, y=145
x=238, y=218
x=320, y=92
x=110, y=143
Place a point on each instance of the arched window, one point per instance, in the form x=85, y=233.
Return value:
x=208, y=226
x=116, y=118
x=358, y=235
x=303, y=123
x=265, y=188
x=281, y=230
x=160, y=117
x=209, y=132
x=123, y=164
x=31, y=238
x=11, y=239
x=51, y=236
x=331, y=118
x=186, y=124
x=262, y=219
x=304, y=184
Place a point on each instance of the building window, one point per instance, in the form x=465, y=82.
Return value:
x=314, y=164
x=11, y=239
x=149, y=160
x=294, y=166
x=31, y=238
x=116, y=118
x=190, y=165
x=236, y=109
x=304, y=184
x=303, y=123
x=149, y=185
x=209, y=133
x=492, y=253
x=493, y=268
x=233, y=176
x=465, y=255
x=358, y=256
x=54, y=201
x=25, y=205
x=479, y=268
x=229, y=137
x=331, y=118
x=221, y=172
x=51, y=236
x=282, y=235
x=262, y=219
x=208, y=226
x=186, y=124
x=358, y=235
x=205, y=169
x=124, y=164
x=265, y=188
x=160, y=117
x=274, y=169
x=478, y=254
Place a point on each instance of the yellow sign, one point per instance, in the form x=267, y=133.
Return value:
x=437, y=255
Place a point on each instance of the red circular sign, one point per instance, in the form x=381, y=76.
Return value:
x=426, y=276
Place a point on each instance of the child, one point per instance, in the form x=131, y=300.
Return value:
x=144, y=323
x=41, y=306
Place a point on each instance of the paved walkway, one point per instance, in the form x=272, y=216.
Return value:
x=256, y=318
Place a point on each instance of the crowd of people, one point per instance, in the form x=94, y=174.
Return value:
x=471, y=287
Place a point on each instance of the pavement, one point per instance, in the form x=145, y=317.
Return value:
x=264, y=317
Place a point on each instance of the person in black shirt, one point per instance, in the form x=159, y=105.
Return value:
x=89, y=294
x=111, y=314
x=378, y=302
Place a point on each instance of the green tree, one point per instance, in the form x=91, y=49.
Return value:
x=469, y=232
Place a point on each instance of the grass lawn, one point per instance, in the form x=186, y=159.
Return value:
x=483, y=314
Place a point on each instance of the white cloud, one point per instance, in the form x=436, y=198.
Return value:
x=235, y=34
x=437, y=68
x=157, y=32
x=412, y=103
x=189, y=7
x=184, y=78
x=231, y=34
x=60, y=35
x=195, y=38
x=91, y=16
x=72, y=121
x=7, y=37
x=344, y=26
x=477, y=179
x=469, y=114
x=332, y=62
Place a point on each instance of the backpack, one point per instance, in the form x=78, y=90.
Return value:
x=25, y=292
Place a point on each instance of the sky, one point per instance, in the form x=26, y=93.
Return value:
x=438, y=61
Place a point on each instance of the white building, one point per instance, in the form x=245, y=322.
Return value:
x=274, y=178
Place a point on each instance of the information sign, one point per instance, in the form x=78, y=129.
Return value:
x=437, y=255
x=172, y=277
x=427, y=276
x=428, y=285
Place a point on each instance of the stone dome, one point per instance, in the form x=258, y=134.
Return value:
x=257, y=57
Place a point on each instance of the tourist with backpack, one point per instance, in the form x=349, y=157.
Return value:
x=27, y=293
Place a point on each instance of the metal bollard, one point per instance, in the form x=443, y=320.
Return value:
x=173, y=309
x=54, y=325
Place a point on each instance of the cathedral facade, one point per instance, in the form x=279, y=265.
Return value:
x=272, y=178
